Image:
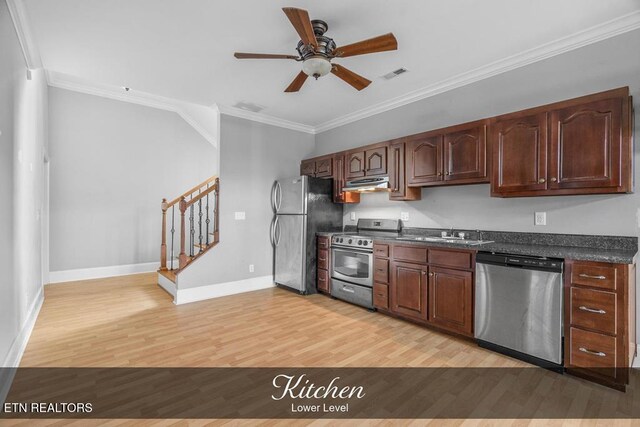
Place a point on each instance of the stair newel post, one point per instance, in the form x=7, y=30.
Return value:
x=182, y=259
x=163, y=245
x=215, y=212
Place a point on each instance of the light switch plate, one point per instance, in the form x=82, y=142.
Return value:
x=353, y=216
x=540, y=218
x=404, y=216
x=240, y=216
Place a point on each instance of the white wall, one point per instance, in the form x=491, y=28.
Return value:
x=23, y=142
x=252, y=156
x=112, y=162
x=606, y=65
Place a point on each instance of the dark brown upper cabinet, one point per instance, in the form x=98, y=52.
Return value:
x=586, y=145
x=424, y=159
x=324, y=167
x=580, y=146
x=520, y=154
x=308, y=167
x=368, y=162
x=355, y=166
x=465, y=154
x=397, y=174
x=376, y=161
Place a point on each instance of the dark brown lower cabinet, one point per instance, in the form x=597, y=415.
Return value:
x=323, y=265
x=451, y=299
x=409, y=289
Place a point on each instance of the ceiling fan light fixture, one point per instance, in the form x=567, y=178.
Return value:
x=316, y=66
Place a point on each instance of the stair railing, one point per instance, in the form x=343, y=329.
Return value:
x=199, y=207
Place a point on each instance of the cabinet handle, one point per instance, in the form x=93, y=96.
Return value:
x=594, y=353
x=553, y=180
x=430, y=274
x=592, y=310
x=587, y=276
x=541, y=180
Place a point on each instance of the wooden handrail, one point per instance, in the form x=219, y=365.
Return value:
x=201, y=195
x=191, y=191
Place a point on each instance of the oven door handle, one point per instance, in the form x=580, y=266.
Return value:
x=344, y=249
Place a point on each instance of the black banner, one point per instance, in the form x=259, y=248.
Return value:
x=311, y=393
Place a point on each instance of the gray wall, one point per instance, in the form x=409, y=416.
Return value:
x=23, y=118
x=111, y=164
x=606, y=65
x=252, y=156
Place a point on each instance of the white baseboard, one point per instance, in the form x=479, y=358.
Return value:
x=19, y=344
x=200, y=293
x=100, y=272
x=167, y=285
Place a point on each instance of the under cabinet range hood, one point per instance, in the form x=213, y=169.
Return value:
x=367, y=185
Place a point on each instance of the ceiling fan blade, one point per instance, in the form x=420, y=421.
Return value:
x=300, y=20
x=350, y=77
x=297, y=83
x=241, y=55
x=373, y=45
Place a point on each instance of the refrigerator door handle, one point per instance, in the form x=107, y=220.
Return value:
x=272, y=230
x=276, y=232
x=274, y=188
x=278, y=199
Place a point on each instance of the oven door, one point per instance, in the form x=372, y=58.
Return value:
x=352, y=265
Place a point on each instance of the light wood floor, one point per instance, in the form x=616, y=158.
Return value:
x=130, y=322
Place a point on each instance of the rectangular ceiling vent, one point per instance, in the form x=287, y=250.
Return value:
x=394, y=73
x=249, y=106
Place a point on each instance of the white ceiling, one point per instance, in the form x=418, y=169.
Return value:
x=183, y=49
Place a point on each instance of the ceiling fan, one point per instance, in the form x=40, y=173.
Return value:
x=317, y=50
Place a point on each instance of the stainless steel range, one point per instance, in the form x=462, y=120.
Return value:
x=352, y=260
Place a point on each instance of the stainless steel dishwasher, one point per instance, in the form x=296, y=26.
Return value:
x=518, y=307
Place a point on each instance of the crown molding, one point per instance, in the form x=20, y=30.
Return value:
x=23, y=30
x=582, y=38
x=65, y=81
x=266, y=119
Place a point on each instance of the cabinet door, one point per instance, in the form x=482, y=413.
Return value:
x=340, y=196
x=465, y=154
x=397, y=176
x=308, y=167
x=519, y=154
x=451, y=299
x=324, y=167
x=424, y=160
x=376, y=161
x=409, y=290
x=355, y=166
x=586, y=145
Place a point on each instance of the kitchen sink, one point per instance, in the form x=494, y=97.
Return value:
x=445, y=240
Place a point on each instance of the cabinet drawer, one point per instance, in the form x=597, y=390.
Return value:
x=380, y=250
x=381, y=295
x=410, y=254
x=594, y=274
x=381, y=270
x=450, y=258
x=323, y=281
x=323, y=259
x=593, y=309
x=323, y=242
x=593, y=351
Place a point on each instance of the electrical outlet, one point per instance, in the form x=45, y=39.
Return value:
x=404, y=216
x=251, y=269
x=353, y=216
x=240, y=215
x=540, y=218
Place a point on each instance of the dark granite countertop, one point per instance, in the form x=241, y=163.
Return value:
x=613, y=249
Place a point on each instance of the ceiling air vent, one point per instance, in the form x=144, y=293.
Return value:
x=249, y=106
x=394, y=73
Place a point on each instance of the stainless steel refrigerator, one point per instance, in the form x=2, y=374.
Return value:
x=302, y=206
